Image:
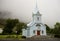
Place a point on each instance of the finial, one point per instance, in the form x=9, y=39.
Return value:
x=36, y=3
x=36, y=8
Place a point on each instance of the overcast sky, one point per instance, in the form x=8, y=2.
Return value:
x=22, y=9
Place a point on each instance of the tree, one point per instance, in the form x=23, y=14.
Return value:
x=47, y=28
x=57, y=29
x=20, y=26
x=3, y=16
x=10, y=23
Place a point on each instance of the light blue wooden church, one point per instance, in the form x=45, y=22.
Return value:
x=35, y=27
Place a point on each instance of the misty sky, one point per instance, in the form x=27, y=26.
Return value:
x=22, y=9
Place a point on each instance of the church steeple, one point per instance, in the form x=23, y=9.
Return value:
x=36, y=7
x=36, y=10
x=36, y=14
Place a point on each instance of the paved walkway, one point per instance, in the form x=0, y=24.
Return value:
x=31, y=40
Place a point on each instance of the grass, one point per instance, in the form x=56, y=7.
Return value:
x=11, y=37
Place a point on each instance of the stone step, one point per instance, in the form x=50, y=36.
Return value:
x=40, y=37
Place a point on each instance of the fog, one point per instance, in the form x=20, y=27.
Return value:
x=22, y=9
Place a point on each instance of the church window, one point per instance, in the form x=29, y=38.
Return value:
x=37, y=18
x=42, y=31
x=34, y=31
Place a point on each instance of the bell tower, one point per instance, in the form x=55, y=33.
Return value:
x=36, y=14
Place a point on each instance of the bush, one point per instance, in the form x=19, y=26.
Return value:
x=23, y=37
x=57, y=36
x=0, y=33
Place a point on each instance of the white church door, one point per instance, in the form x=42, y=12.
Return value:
x=38, y=32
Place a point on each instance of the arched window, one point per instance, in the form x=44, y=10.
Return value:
x=42, y=31
x=34, y=31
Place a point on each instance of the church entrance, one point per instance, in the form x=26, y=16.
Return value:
x=38, y=32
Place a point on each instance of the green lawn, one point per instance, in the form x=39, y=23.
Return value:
x=10, y=36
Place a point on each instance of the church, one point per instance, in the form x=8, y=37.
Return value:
x=35, y=27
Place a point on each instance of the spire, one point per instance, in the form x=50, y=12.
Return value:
x=36, y=8
x=36, y=5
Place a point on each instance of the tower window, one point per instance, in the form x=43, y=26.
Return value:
x=37, y=18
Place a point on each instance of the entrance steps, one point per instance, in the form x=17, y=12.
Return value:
x=40, y=37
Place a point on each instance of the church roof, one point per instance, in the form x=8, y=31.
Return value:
x=33, y=23
x=30, y=24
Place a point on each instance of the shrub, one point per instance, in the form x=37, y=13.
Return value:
x=0, y=33
x=23, y=37
x=57, y=36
